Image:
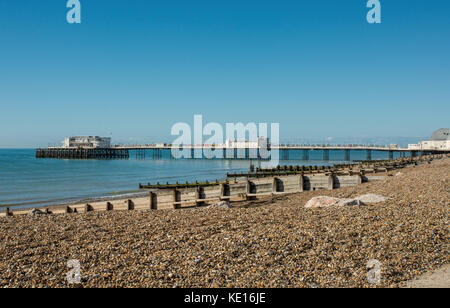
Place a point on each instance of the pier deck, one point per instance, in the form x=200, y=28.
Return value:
x=284, y=152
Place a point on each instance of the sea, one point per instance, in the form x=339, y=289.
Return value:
x=28, y=182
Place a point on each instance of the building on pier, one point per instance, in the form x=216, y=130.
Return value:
x=439, y=141
x=84, y=147
x=87, y=142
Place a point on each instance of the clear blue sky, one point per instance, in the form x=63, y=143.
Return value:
x=134, y=68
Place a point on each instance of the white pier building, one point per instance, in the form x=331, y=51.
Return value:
x=91, y=142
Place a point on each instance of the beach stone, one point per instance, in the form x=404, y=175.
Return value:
x=324, y=201
x=372, y=198
x=222, y=204
x=35, y=212
x=273, y=243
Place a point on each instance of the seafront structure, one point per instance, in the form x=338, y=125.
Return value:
x=439, y=141
x=90, y=147
x=84, y=147
x=87, y=142
x=242, y=150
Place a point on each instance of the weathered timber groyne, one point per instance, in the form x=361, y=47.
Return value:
x=176, y=196
x=362, y=168
x=98, y=153
x=197, y=194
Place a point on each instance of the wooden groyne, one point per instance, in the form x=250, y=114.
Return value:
x=362, y=168
x=176, y=196
x=62, y=153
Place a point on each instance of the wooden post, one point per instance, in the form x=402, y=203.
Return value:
x=176, y=206
x=360, y=179
x=222, y=191
x=8, y=212
x=109, y=206
x=300, y=183
x=153, y=201
x=249, y=191
x=130, y=205
x=198, y=196
x=88, y=208
x=330, y=185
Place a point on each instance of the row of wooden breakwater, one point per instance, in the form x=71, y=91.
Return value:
x=287, y=180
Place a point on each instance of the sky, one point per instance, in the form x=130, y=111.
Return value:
x=132, y=69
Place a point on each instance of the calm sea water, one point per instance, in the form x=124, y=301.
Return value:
x=27, y=182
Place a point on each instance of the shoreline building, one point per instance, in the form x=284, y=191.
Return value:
x=439, y=141
x=87, y=142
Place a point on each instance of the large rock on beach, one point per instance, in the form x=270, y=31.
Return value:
x=324, y=201
x=37, y=212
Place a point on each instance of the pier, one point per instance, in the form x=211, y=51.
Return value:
x=286, y=151
x=97, y=153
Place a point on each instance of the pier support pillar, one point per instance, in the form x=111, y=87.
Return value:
x=305, y=155
x=326, y=155
x=347, y=155
x=391, y=155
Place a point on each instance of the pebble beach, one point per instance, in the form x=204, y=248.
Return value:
x=270, y=242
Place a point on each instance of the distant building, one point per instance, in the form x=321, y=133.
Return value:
x=260, y=143
x=440, y=140
x=91, y=142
